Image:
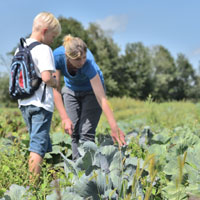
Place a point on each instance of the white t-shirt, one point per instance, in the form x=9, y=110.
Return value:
x=43, y=58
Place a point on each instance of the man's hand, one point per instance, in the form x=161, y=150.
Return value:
x=54, y=82
x=118, y=136
x=49, y=79
x=68, y=126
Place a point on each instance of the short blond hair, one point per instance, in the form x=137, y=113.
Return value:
x=47, y=20
x=74, y=46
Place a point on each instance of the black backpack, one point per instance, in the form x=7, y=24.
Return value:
x=23, y=77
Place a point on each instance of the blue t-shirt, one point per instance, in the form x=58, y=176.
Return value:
x=81, y=80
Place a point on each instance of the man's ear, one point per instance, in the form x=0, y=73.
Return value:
x=44, y=30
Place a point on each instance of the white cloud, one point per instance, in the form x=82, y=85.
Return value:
x=113, y=23
x=196, y=52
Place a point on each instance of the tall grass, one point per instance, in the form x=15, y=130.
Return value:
x=156, y=115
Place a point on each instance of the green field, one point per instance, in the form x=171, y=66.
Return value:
x=161, y=159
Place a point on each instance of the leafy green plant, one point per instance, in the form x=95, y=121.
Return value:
x=152, y=165
x=107, y=172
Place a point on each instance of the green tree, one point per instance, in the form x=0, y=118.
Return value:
x=76, y=29
x=186, y=78
x=107, y=57
x=164, y=72
x=137, y=70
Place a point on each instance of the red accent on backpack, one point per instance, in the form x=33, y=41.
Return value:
x=21, y=84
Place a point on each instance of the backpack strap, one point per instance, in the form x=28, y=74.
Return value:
x=22, y=41
x=30, y=47
x=44, y=93
x=33, y=44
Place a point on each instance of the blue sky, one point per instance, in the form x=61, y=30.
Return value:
x=175, y=24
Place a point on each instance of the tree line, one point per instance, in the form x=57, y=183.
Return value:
x=137, y=73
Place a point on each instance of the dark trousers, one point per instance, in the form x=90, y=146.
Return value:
x=84, y=111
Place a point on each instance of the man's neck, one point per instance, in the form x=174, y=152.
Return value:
x=36, y=36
